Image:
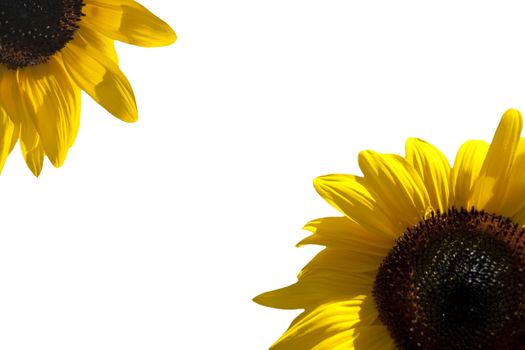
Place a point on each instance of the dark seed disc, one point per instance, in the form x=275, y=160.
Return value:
x=33, y=31
x=455, y=281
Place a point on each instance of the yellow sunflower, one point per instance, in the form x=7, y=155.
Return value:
x=426, y=256
x=52, y=49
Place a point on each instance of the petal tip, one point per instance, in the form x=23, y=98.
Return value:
x=35, y=170
x=513, y=116
x=260, y=299
x=320, y=183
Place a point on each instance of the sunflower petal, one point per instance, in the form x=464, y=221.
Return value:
x=329, y=326
x=32, y=148
x=130, y=22
x=396, y=182
x=345, y=233
x=343, y=260
x=9, y=133
x=100, y=77
x=10, y=95
x=101, y=42
x=488, y=191
x=465, y=171
x=349, y=195
x=515, y=191
x=433, y=168
x=53, y=106
x=316, y=288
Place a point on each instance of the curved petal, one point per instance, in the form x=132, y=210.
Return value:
x=349, y=195
x=9, y=100
x=10, y=96
x=392, y=179
x=32, y=148
x=318, y=287
x=433, y=168
x=489, y=189
x=344, y=233
x=9, y=132
x=53, y=106
x=100, y=77
x=128, y=21
x=514, y=201
x=74, y=122
x=344, y=261
x=329, y=326
x=13, y=102
x=99, y=41
x=465, y=171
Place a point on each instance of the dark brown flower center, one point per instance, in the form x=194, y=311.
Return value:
x=455, y=281
x=33, y=31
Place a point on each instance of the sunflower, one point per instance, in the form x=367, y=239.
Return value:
x=426, y=256
x=50, y=50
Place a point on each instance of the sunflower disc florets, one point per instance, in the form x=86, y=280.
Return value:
x=455, y=281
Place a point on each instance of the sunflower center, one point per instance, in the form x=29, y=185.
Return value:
x=455, y=281
x=32, y=31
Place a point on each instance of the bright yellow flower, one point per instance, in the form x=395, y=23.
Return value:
x=427, y=256
x=52, y=49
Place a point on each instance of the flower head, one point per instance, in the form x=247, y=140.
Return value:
x=50, y=50
x=425, y=256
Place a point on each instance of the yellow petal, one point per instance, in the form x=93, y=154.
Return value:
x=9, y=133
x=329, y=326
x=433, y=168
x=10, y=95
x=392, y=179
x=100, y=77
x=74, y=122
x=9, y=100
x=514, y=201
x=465, y=171
x=316, y=287
x=53, y=106
x=18, y=110
x=99, y=41
x=343, y=260
x=488, y=191
x=349, y=195
x=32, y=148
x=344, y=233
x=128, y=21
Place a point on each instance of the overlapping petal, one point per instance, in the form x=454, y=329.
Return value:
x=13, y=102
x=101, y=78
x=394, y=194
x=53, y=104
x=99, y=41
x=40, y=104
x=350, y=195
x=32, y=148
x=342, y=232
x=489, y=189
x=397, y=184
x=329, y=326
x=433, y=168
x=9, y=133
x=465, y=171
x=317, y=287
x=128, y=21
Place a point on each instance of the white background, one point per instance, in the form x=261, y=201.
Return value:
x=156, y=235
